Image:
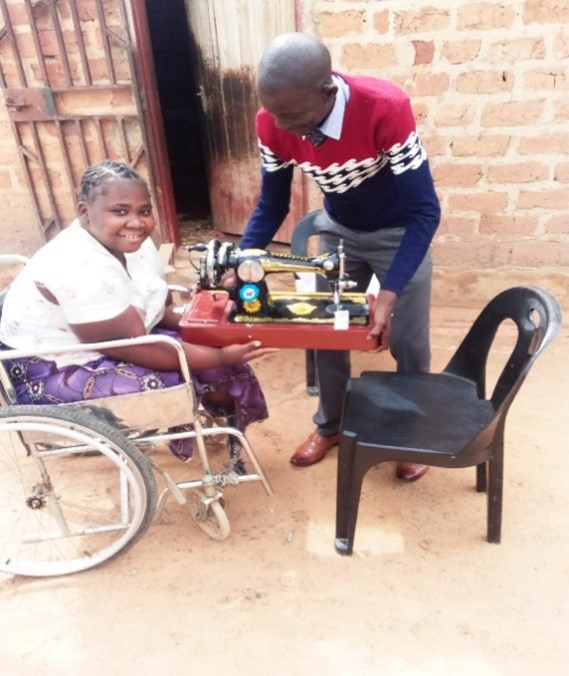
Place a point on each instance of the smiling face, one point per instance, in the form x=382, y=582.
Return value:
x=118, y=214
x=298, y=111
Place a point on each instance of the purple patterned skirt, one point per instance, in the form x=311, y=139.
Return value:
x=40, y=381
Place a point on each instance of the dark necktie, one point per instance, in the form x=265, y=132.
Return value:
x=316, y=137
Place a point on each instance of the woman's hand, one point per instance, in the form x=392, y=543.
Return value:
x=240, y=353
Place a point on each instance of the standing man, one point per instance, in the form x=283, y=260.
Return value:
x=356, y=137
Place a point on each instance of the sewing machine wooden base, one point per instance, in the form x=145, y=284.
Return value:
x=211, y=319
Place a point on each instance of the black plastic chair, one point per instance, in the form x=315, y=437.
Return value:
x=302, y=232
x=443, y=419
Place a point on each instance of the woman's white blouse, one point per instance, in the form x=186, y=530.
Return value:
x=90, y=284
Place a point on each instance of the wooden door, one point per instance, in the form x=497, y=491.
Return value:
x=67, y=68
x=230, y=37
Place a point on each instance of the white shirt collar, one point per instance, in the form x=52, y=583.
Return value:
x=332, y=125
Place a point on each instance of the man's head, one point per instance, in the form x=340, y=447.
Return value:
x=295, y=82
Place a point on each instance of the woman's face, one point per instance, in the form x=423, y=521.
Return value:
x=118, y=215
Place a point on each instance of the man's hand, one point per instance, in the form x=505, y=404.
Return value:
x=380, y=318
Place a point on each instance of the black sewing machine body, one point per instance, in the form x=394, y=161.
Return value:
x=247, y=309
x=254, y=302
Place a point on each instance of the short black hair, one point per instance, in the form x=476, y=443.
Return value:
x=294, y=60
x=97, y=175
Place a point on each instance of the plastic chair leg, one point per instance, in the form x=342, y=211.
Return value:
x=481, y=481
x=495, y=493
x=311, y=381
x=348, y=493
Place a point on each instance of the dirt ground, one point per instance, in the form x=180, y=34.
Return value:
x=424, y=594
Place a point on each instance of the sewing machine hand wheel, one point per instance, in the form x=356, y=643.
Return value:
x=214, y=264
x=212, y=271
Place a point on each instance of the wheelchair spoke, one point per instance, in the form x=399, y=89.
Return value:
x=73, y=491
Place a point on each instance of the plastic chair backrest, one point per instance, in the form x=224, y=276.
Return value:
x=538, y=318
x=302, y=232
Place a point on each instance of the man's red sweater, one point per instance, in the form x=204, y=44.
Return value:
x=375, y=176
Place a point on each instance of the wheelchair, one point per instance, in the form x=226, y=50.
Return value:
x=78, y=482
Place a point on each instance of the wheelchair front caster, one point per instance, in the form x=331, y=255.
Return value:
x=210, y=516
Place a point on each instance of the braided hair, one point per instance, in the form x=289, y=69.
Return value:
x=98, y=175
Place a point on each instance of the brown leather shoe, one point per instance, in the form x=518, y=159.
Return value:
x=410, y=471
x=313, y=449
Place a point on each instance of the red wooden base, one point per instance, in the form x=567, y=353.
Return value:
x=208, y=321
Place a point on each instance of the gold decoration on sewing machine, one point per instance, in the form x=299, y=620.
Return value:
x=252, y=306
x=302, y=309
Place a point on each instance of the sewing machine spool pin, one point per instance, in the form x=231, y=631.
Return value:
x=340, y=285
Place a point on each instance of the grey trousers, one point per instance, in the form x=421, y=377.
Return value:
x=368, y=253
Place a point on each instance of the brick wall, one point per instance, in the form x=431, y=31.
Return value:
x=489, y=83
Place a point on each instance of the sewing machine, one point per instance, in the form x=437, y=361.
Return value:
x=249, y=310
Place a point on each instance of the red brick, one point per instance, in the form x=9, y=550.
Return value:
x=561, y=111
x=552, y=198
x=5, y=180
x=356, y=56
x=426, y=20
x=512, y=113
x=17, y=13
x=99, y=71
x=561, y=45
x=539, y=253
x=497, y=224
x=553, y=143
x=11, y=74
x=562, y=173
x=478, y=201
x=430, y=84
x=520, y=172
x=514, y=51
x=49, y=44
x=381, y=22
x=461, y=226
x=546, y=11
x=553, y=79
x=456, y=175
x=434, y=145
x=485, y=145
x=463, y=51
x=421, y=110
x=424, y=51
x=26, y=48
x=485, y=16
x=335, y=24
x=557, y=225
x=484, y=82
x=468, y=252
x=454, y=115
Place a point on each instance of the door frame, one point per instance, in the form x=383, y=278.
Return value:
x=153, y=122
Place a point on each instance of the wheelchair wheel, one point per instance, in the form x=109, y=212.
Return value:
x=211, y=518
x=74, y=491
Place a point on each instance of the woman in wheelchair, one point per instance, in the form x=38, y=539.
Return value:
x=101, y=279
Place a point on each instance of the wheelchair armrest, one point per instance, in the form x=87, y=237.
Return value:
x=102, y=345
x=179, y=289
x=13, y=259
